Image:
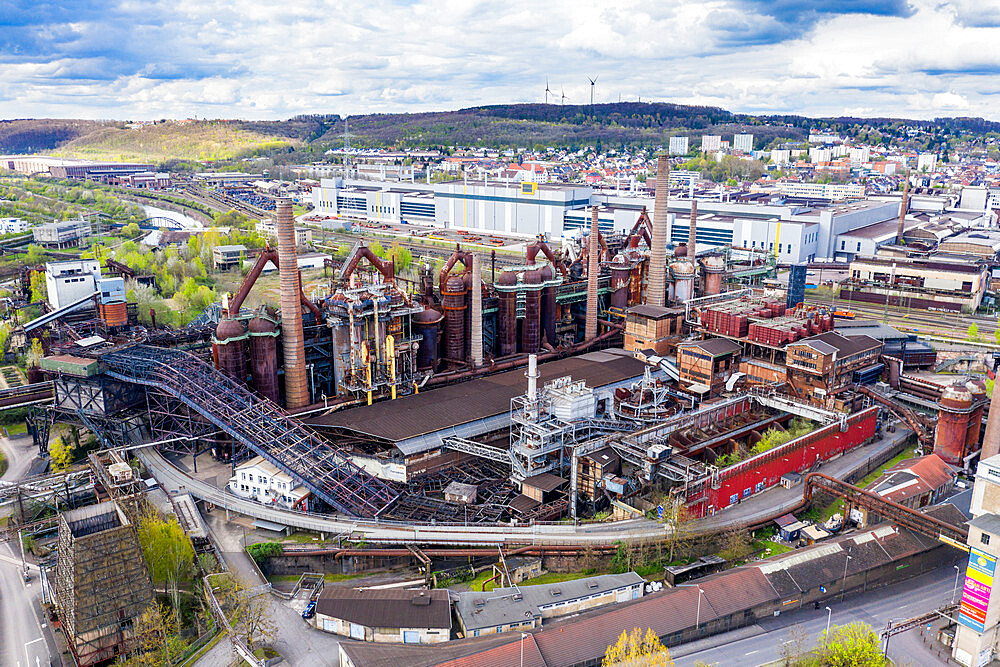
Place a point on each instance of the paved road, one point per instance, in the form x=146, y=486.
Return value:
x=766, y=504
x=25, y=639
x=20, y=452
x=903, y=600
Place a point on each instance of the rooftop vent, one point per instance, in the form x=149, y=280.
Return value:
x=591, y=584
x=517, y=597
x=421, y=599
x=479, y=602
x=555, y=592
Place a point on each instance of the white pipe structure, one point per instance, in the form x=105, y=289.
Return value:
x=532, y=377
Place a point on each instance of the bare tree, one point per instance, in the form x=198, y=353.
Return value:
x=250, y=614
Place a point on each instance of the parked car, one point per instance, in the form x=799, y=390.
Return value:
x=310, y=610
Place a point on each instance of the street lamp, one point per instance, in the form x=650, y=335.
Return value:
x=523, y=635
x=954, y=594
x=697, y=617
x=829, y=615
x=843, y=583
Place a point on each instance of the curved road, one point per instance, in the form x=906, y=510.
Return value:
x=760, y=508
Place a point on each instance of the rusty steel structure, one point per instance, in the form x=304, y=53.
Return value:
x=693, y=230
x=476, y=320
x=901, y=515
x=263, y=332
x=293, y=337
x=656, y=290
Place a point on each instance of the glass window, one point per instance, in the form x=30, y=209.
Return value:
x=984, y=538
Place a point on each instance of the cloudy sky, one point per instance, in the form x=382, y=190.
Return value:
x=141, y=59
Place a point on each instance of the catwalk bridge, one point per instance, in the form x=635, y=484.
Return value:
x=257, y=424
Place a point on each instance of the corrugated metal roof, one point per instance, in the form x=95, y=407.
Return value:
x=387, y=608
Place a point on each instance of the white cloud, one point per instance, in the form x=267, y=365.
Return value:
x=261, y=59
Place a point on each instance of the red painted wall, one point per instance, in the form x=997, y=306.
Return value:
x=737, y=482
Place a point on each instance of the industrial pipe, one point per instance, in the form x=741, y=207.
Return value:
x=386, y=268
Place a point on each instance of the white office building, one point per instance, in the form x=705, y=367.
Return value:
x=678, y=145
x=831, y=191
x=817, y=155
x=859, y=155
x=743, y=143
x=927, y=162
x=781, y=156
x=13, y=226
x=260, y=480
x=711, y=143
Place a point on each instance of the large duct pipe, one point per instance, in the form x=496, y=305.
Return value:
x=532, y=377
x=657, y=289
x=903, y=208
x=991, y=439
x=593, y=272
x=476, y=351
x=292, y=337
x=692, y=233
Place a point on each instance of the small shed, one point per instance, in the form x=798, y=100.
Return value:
x=812, y=534
x=457, y=492
x=789, y=527
x=537, y=487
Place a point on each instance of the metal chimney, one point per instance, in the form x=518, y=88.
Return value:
x=903, y=208
x=692, y=234
x=292, y=337
x=593, y=272
x=476, y=346
x=991, y=439
x=657, y=286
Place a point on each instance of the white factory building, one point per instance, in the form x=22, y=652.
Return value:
x=70, y=281
x=796, y=231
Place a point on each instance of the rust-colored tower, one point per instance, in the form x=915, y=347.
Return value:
x=656, y=290
x=692, y=233
x=903, y=208
x=292, y=338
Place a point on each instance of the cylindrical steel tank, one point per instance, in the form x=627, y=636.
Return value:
x=453, y=295
x=507, y=314
x=114, y=314
x=683, y=272
x=680, y=250
x=619, y=282
x=264, y=357
x=714, y=268
x=427, y=324
x=549, y=305
x=227, y=348
x=953, y=423
x=978, y=390
x=531, y=336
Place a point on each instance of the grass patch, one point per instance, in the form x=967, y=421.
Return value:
x=17, y=428
x=3, y=463
x=302, y=538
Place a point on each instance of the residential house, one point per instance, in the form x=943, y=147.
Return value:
x=260, y=480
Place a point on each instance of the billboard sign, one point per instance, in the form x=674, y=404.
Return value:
x=976, y=592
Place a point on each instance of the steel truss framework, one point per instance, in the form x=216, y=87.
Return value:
x=187, y=431
x=257, y=424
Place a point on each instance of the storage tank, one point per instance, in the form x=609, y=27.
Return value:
x=427, y=324
x=549, y=304
x=619, y=282
x=683, y=272
x=531, y=327
x=953, y=423
x=227, y=348
x=114, y=314
x=681, y=250
x=453, y=295
x=978, y=390
x=264, y=356
x=506, y=285
x=715, y=267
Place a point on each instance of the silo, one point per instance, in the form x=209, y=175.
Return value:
x=683, y=272
x=620, y=276
x=953, y=423
x=531, y=328
x=548, y=304
x=227, y=348
x=453, y=294
x=506, y=285
x=264, y=356
x=715, y=267
x=427, y=324
x=978, y=390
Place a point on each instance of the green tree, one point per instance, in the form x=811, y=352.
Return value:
x=131, y=230
x=36, y=254
x=168, y=552
x=854, y=645
x=60, y=455
x=637, y=649
x=973, y=332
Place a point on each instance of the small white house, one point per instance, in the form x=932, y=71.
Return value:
x=13, y=225
x=260, y=480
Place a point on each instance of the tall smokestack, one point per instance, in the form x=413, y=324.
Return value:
x=476, y=347
x=657, y=286
x=692, y=233
x=991, y=439
x=593, y=272
x=292, y=338
x=903, y=208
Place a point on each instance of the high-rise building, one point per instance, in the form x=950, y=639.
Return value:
x=743, y=143
x=711, y=143
x=860, y=155
x=678, y=145
x=927, y=162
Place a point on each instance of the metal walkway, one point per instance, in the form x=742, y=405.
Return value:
x=256, y=423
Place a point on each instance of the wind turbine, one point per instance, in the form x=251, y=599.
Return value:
x=562, y=99
x=593, y=82
x=547, y=91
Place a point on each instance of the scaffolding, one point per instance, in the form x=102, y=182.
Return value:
x=257, y=424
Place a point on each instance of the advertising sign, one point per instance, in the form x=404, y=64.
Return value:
x=976, y=592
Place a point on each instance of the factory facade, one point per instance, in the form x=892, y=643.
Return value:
x=797, y=232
